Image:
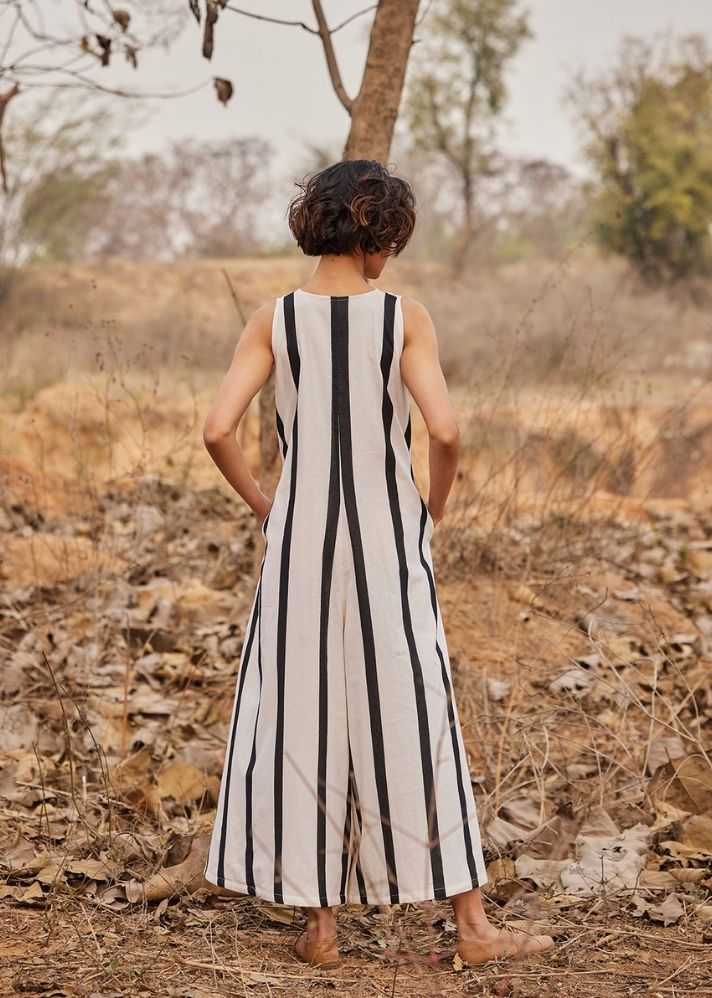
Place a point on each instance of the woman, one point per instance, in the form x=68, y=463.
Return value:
x=345, y=777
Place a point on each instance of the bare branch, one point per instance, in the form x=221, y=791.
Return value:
x=331, y=63
x=359, y=13
x=8, y=41
x=324, y=32
x=37, y=53
x=424, y=14
x=89, y=84
x=299, y=24
x=272, y=20
x=4, y=101
x=442, y=142
x=54, y=42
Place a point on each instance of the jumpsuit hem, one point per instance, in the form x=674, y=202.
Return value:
x=291, y=899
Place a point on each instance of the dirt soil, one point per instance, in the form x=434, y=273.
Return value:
x=204, y=948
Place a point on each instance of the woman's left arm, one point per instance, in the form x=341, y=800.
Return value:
x=250, y=367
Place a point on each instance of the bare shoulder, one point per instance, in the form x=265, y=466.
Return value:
x=259, y=324
x=414, y=310
x=265, y=313
x=417, y=322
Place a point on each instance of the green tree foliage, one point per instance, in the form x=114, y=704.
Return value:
x=455, y=90
x=64, y=152
x=649, y=126
x=56, y=210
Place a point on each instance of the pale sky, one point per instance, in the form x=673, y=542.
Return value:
x=282, y=91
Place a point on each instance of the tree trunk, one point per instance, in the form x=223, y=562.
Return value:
x=466, y=237
x=375, y=109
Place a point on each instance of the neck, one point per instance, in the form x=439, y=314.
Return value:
x=339, y=274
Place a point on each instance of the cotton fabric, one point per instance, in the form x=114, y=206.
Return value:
x=345, y=776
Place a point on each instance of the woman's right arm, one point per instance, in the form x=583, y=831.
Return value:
x=424, y=378
x=251, y=364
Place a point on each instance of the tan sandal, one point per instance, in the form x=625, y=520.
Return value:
x=318, y=952
x=511, y=942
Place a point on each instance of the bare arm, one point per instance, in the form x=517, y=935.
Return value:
x=424, y=378
x=250, y=367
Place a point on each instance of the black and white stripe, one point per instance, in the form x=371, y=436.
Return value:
x=280, y=431
x=426, y=759
x=249, y=843
x=460, y=764
x=227, y=782
x=327, y=568
x=340, y=327
x=294, y=362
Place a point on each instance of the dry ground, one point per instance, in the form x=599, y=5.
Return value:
x=202, y=949
x=574, y=570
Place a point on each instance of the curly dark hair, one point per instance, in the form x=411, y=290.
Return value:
x=355, y=204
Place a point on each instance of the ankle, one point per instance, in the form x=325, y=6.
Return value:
x=473, y=928
x=320, y=928
x=321, y=935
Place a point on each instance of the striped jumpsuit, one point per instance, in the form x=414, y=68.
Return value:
x=345, y=777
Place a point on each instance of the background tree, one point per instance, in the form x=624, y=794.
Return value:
x=374, y=109
x=455, y=90
x=76, y=52
x=536, y=205
x=64, y=150
x=34, y=56
x=523, y=207
x=439, y=207
x=73, y=196
x=195, y=198
x=649, y=140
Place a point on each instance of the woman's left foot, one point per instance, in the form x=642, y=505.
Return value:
x=499, y=944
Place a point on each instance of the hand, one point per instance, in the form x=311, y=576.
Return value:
x=436, y=519
x=263, y=512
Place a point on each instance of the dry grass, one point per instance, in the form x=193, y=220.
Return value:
x=574, y=559
x=572, y=322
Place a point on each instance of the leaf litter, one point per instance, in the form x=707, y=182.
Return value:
x=585, y=698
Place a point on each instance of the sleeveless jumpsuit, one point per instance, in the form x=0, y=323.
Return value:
x=345, y=777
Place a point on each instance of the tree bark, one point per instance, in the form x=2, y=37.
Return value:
x=466, y=237
x=375, y=109
x=4, y=101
